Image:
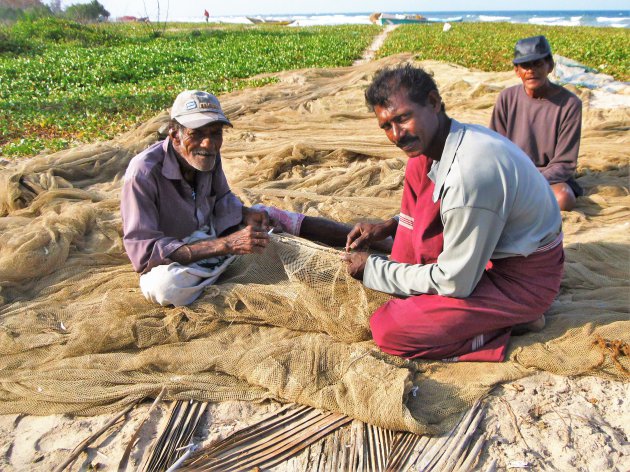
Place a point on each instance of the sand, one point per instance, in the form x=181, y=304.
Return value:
x=542, y=422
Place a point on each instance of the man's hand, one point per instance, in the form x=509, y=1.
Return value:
x=363, y=234
x=355, y=262
x=246, y=241
x=257, y=218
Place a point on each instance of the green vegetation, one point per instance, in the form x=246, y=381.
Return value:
x=489, y=46
x=63, y=83
x=8, y=14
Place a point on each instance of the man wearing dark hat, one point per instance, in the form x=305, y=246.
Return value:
x=542, y=118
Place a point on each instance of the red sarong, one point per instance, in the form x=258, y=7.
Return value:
x=477, y=328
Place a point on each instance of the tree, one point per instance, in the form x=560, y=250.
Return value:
x=13, y=10
x=20, y=4
x=86, y=11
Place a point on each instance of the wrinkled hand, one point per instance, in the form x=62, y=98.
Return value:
x=246, y=241
x=355, y=263
x=257, y=218
x=363, y=234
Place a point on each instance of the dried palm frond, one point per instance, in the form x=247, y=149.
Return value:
x=357, y=446
x=374, y=449
x=402, y=451
x=452, y=452
x=125, y=457
x=269, y=442
x=176, y=436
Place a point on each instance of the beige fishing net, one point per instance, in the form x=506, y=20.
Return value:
x=77, y=336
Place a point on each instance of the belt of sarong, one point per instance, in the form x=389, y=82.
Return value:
x=552, y=244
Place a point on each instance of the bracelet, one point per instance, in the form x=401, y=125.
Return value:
x=189, y=255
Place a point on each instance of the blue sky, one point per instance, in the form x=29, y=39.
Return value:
x=192, y=8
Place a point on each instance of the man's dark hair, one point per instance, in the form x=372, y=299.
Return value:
x=388, y=81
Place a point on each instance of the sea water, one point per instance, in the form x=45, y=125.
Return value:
x=602, y=18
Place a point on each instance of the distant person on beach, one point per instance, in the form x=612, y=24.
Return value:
x=543, y=119
x=206, y=14
x=182, y=225
x=478, y=241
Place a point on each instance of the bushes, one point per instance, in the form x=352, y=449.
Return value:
x=86, y=11
x=9, y=14
x=11, y=45
x=46, y=30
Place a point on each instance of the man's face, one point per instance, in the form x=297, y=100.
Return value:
x=534, y=74
x=199, y=147
x=408, y=125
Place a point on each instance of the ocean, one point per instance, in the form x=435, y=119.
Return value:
x=601, y=18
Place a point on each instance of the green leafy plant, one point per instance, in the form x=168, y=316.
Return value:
x=78, y=83
x=489, y=46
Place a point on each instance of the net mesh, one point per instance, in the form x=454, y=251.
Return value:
x=77, y=336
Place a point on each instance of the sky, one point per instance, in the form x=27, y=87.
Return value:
x=192, y=8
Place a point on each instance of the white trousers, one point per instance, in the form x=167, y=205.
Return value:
x=180, y=285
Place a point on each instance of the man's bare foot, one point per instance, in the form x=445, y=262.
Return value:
x=531, y=327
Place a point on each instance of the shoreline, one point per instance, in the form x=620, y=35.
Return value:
x=571, y=18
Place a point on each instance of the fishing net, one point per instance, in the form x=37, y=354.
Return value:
x=77, y=336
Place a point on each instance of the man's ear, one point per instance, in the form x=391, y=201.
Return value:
x=174, y=135
x=435, y=100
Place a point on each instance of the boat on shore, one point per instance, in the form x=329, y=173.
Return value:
x=399, y=19
x=266, y=21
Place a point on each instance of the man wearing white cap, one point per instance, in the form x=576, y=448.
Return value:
x=178, y=211
x=180, y=217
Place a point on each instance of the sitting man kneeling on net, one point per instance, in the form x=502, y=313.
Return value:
x=478, y=242
x=182, y=225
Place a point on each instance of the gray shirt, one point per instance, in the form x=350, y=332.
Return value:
x=159, y=208
x=494, y=204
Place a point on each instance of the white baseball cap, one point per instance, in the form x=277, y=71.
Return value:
x=195, y=108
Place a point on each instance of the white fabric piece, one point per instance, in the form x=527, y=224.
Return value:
x=180, y=285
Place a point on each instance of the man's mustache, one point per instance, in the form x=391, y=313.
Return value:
x=406, y=141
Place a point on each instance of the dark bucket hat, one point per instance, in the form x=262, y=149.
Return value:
x=531, y=49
